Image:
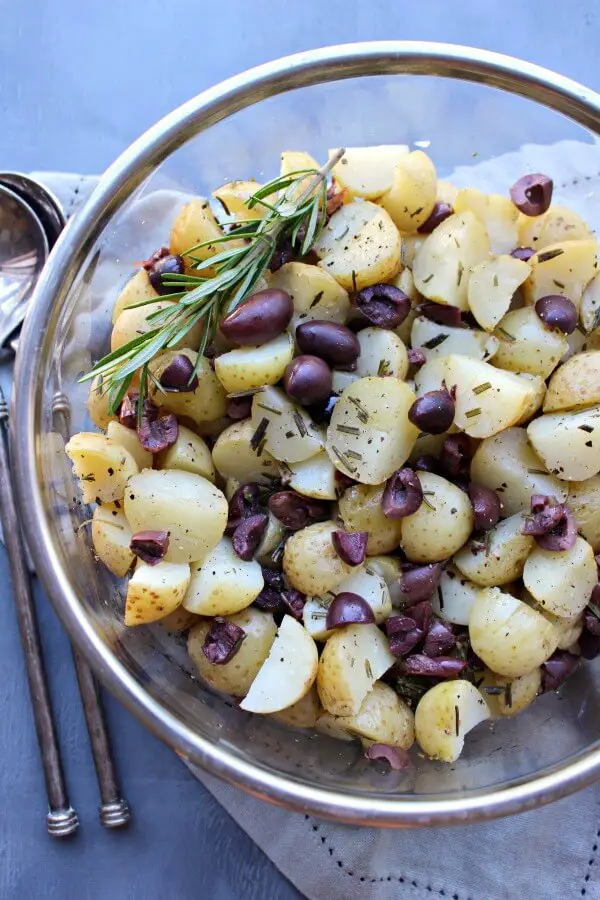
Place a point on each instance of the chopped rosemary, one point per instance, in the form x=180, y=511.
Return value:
x=316, y=299
x=558, y=284
x=270, y=409
x=457, y=720
x=368, y=669
x=495, y=281
x=354, y=281
x=354, y=455
x=435, y=341
x=471, y=413
x=427, y=502
x=290, y=434
x=506, y=335
x=248, y=393
x=300, y=424
x=362, y=413
x=482, y=388
x=548, y=255
x=416, y=212
x=456, y=241
x=459, y=274
x=318, y=615
x=384, y=368
x=494, y=690
x=347, y=429
x=343, y=459
x=536, y=472
x=587, y=428
x=508, y=694
x=259, y=434
x=428, y=279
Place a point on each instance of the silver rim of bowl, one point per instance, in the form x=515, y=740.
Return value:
x=124, y=176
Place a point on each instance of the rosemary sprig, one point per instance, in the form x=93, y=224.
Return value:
x=297, y=213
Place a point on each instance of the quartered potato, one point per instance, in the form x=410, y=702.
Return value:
x=557, y=225
x=584, y=502
x=310, y=562
x=101, y=466
x=98, y=403
x=235, y=456
x=222, y=583
x=128, y=439
x=383, y=717
x=562, y=582
x=314, y=617
x=360, y=246
x=234, y=197
x=288, y=672
x=564, y=268
x=443, y=265
x=313, y=477
x=536, y=398
x=445, y=714
x=500, y=558
x=368, y=172
x=442, y=523
x=195, y=224
x=236, y=676
x=315, y=294
x=304, y=713
x=456, y=596
x=390, y=569
x=526, y=345
x=190, y=453
x=191, y=509
x=430, y=377
x=247, y=368
x=206, y=403
x=137, y=290
x=111, y=537
x=289, y=432
x=497, y=213
x=372, y=588
x=437, y=340
x=568, y=443
x=369, y=435
x=510, y=637
x=360, y=510
x=156, y=591
x=413, y=192
x=488, y=400
x=492, y=286
x=575, y=384
x=353, y=659
x=508, y=464
x=381, y=353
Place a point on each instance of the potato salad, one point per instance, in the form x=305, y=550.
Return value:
x=348, y=439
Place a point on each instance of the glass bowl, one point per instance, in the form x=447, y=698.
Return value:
x=487, y=116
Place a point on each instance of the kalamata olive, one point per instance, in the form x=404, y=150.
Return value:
x=270, y=598
x=439, y=667
x=348, y=609
x=308, y=380
x=283, y=254
x=321, y=412
x=179, y=375
x=532, y=194
x=294, y=602
x=162, y=263
x=351, y=547
x=486, y=506
x=222, y=642
x=551, y=524
x=402, y=495
x=420, y=583
x=455, y=456
x=433, y=413
x=128, y=414
x=426, y=463
x=403, y=634
x=260, y=318
x=590, y=620
x=383, y=305
x=443, y=315
x=150, y=546
x=439, y=640
x=248, y=535
x=437, y=215
x=557, y=312
x=523, y=253
x=422, y=613
x=397, y=757
x=416, y=358
x=557, y=669
x=245, y=502
x=333, y=342
x=295, y=510
x=589, y=645
x=239, y=407
x=156, y=433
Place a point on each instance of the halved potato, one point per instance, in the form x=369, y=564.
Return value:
x=497, y=213
x=304, y=713
x=131, y=323
x=575, y=384
x=442, y=523
x=562, y=582
x=372, y=587
x=508, y=464
x=488, y=400
x=310, y=562
x=314, y=477
x=111, y=537
x=314, y=617
x=359, y=246
x=413, y=191
x=455, y=596
x=368, y=171
x=222, y=583
x=353, y=659
x=568, y=630
x=500, y=558
x=98, y=403
x=369, y=435
x=137, y=290
x=526, y=345
x=234, y=198
x=584, y=503
x=437, y=340
x=518, y=693
x=287, y=673
x=390, y=569
x=360, y=510
x=445, y=714
x=190, y=453
x=246, y=368
x=236, y=676
x=508, y=635
x=195, y=224
x=564, y=268
x=443, y=266
x=128, y=439
x=383, y=717
x=154, y=592
x=234, y=456
x=205, y=404
x=191, y=509
x=559, y=224
x=568, y=443
x=329, y=725
x=290, y=434
x=381, y=353
x=315, y=293
x=101, y=466
x=492, y=286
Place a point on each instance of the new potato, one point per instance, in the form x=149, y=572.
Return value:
x=568, y=443
x=222, y=583
x=562, y=581
x=441, y=525
x=315, y=293
x=234, y=456
x=247, y=368
x=383, y=717
x=102, y=466
x=584, y=502
x=155, y=591
x=111, y=537
x=526, y=345
x=353, y=659
x=501, y=558
x=360, y=510
x=575, y=384
x=310, y=562
x=413, y=192
x=445, y=714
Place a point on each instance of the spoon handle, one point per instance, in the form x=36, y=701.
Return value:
x=62, y=819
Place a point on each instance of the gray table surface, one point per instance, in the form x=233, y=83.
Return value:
x=78, y=82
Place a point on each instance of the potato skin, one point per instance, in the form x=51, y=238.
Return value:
x=383, y=717
x=434, y=532
x=575, y=384
x=360, y=509
x=111, y=536
x=502, y=558
x=156, y=591
x=310, y=562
